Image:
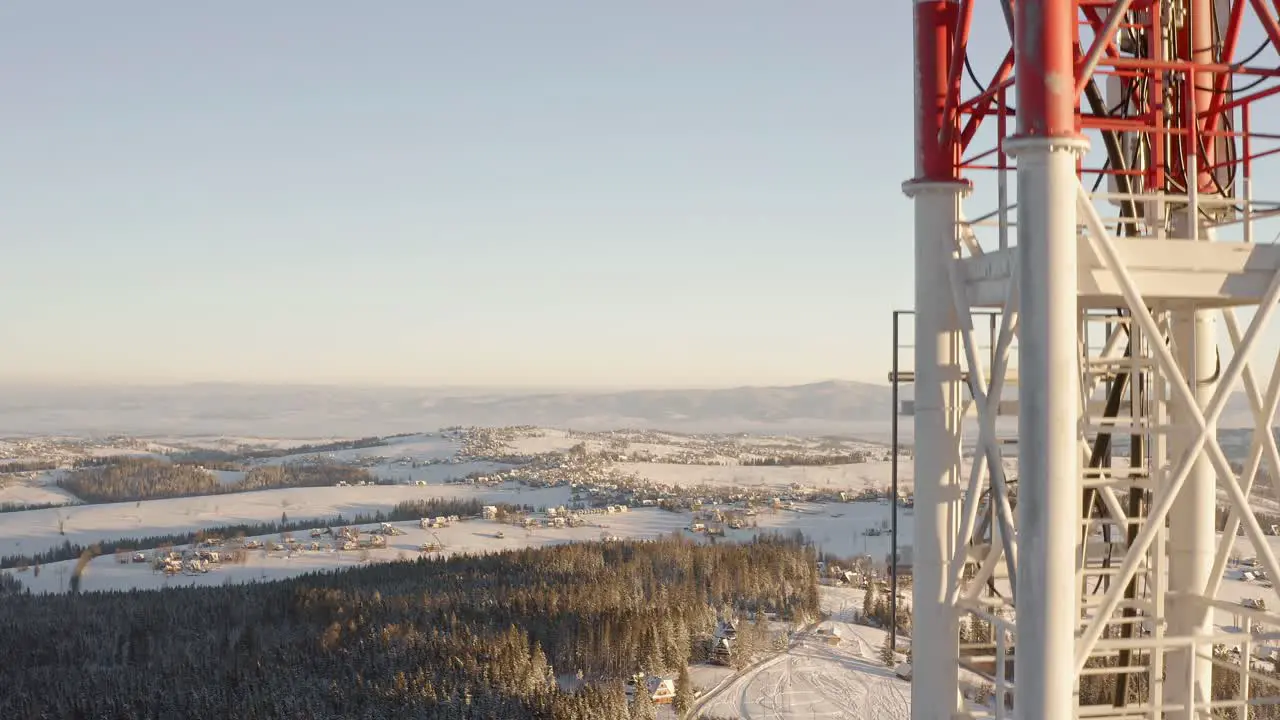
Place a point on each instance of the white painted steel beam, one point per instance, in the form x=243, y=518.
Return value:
x=1217, y=274
x=1191, y=520
x=938, y=399
x=1049, y=485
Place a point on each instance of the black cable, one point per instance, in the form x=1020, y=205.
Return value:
x=973, y=77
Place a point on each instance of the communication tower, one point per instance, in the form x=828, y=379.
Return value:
x=1113, y=155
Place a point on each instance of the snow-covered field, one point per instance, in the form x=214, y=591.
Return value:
x=36, y=488
x=37, y=530
x=815, y=679
x=468, y=536
x=875, y=474
x=835, y=527
x=423, y=446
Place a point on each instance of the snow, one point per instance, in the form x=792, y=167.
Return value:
x=856, y=477
x=545, y=440
x=229, y=477
x=836, y=527
x=232, y=442
x=875, y=474
x=420, y=447
x=34, y=488
x=814, y=679
x=468, y=536
x=434, y=474
x=37, y=530
x=29, y=493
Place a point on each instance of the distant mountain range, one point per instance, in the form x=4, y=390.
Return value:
x=833, y=407
x=315, y=411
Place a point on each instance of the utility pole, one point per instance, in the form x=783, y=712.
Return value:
x=893, y=482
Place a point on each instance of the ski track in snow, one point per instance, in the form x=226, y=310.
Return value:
x=814, y=680
x=817, y=680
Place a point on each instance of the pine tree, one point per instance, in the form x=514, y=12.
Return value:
x=684, y=693
x=642, y=704
x=886, y=652
x=881, y=611
x=869, y=602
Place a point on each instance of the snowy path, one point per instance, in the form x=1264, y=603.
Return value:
x=816, y=680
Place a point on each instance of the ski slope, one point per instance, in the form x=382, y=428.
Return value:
x=816, y=680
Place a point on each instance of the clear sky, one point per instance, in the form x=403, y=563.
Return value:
x=490, y=192
x=496, y=192
x=500, y=192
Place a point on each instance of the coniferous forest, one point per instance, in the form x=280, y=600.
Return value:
x=127, y=478
x=465, y=637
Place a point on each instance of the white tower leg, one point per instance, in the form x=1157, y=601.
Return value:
x=935, y=674
x=1192, y=542
x=1049, y=492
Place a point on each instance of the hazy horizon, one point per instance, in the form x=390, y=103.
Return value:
x=72, y=384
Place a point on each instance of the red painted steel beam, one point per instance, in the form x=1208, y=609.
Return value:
x=1230, y=39
x=1244, y=101
x=982, y=105
x=1046, y=75
x=1103, y=42
x=959, y=49
x=1107, y=40
x=933, y=22
x=1268, y=21
x=1195, y=44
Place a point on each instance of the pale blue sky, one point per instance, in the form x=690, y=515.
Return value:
x=489, y=192
x=557, y=192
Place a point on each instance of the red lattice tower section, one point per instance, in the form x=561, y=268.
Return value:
x=1157, y=48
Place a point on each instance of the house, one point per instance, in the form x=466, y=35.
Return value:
x=661, y=690
x=721, y=651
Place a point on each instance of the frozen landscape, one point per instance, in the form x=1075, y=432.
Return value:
x=269, y=508
x=569, y=485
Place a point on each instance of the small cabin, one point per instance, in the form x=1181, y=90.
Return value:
x=662, y=691
x=722, y=651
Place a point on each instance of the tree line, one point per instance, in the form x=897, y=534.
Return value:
x=803, y=460
x=17, y=466
x=129, y=478
x=206, y=456
x=464, y=637
x=9, y=507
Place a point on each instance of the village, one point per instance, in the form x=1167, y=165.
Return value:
x=608, y=513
